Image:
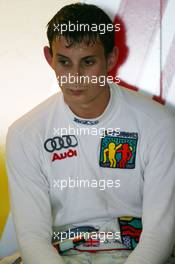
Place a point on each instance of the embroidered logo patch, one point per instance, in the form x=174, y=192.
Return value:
x=118, y=151
x=59, y=143
x=130, y=228
x=66, y=143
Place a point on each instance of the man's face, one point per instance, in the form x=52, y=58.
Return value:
x=79, y=61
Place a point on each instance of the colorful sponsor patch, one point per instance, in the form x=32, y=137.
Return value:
x=130, y=230
x=118, y=151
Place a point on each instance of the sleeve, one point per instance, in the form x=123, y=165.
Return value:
x=158, y=235
x=29, y=197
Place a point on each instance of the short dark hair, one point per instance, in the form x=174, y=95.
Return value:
x=86, y=14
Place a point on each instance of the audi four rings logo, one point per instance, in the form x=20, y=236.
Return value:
x=57, y=143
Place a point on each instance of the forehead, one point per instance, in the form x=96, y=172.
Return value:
x=61, y=46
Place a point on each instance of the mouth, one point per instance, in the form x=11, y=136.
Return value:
x=76, y=92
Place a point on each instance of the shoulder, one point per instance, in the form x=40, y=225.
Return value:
x=35, y=120
x=143, y=107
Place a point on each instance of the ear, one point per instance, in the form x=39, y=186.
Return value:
x=112, y=59
x=48, y=55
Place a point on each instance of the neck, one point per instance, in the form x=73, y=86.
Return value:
x=90, y=109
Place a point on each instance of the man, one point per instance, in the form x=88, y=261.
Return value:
x=129, y=147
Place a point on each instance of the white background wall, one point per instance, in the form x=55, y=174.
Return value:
x=25, y=77
x=150, y=37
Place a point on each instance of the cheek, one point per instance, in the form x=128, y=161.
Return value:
x=54, y=64
x=99, y=69
x=92, y=73
x=61, y=74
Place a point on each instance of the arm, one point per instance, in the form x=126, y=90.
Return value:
x=29, y=196
x=158, y=235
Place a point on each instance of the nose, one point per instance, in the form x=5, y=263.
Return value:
x=76, y=73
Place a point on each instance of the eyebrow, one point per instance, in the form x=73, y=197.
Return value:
x=86, y=57
x=61, y=55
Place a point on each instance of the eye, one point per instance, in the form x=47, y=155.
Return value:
x=63, y=62
x=89, y=62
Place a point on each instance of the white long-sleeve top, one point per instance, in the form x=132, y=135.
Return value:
x=41, y=161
